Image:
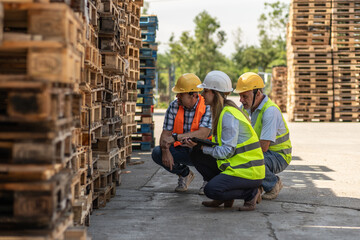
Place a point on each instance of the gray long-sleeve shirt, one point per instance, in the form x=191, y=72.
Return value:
x=232, y=134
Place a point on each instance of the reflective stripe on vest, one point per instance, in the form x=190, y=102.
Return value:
x=282, y=143
x=179, y=119
x=248, y=159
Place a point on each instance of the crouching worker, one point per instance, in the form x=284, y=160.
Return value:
x=187, y=116
x=271, y=128
x=235, y=168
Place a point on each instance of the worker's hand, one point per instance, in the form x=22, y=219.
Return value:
x=167, y=159
x=167, y=141
x=186, y=142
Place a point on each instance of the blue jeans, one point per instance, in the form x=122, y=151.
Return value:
x=274, y=163
x=221, y=186
x=181, y=157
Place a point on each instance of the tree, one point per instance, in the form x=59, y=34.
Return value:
x=199, y=53
x=272, y=33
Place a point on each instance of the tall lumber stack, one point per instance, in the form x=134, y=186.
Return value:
x=41, y=64
x=144, y=139
x=133, y=46
x=346, y=51
x=279, y=86
x=310, y=70
x=67, y=110
x=323, y=63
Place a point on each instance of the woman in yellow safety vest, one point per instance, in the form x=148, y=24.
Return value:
x=235, y=167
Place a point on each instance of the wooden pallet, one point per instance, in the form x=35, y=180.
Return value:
x=314, y=91
x=92, y=57
x=347, y=117
x=344, y=104
x=312, y=55
x=82, y=208
x=312, y=61
x=338, y=48
x=312, y=68
x=310, y=22
x=347, y=67
x=313, y=74
x=55, y=233
x=310, y=117
x=312, y=98
x=134, y=30
x=308, y=48
x=320, y=4
x=36, y=204
x=113, y=63
x=42, y=62
x=76, y=233
x=45, y=22
x=347, y=97
x=43, y=101
x=347, y=85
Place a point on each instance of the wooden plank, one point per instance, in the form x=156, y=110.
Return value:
x=36, y=204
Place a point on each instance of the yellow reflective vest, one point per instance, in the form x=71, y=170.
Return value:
x=248, y=159
x=282, y=143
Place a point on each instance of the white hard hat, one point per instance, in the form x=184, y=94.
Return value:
x=217, y=80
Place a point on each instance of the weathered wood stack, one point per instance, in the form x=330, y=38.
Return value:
x=323, y=64
x=310, y=70
x=279, y=86
x=67, y=94
x=345, y=31
x=41, y=64
x=144, y=139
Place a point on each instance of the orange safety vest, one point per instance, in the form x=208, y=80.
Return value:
x=179, y=119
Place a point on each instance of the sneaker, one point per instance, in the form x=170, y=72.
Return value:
x=201, y=190
x=184, y=182
x=274, y=192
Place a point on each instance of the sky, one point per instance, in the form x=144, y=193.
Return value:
x=176, y=16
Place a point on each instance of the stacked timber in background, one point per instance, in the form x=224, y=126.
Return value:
x=132, y=75
x=323, y=60
x=310, y=70
x=345, y=40
x=144, y=139
x=279, y=86
x=67, y=110
x=41, y=64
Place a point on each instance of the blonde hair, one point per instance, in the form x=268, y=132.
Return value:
x=217, y=107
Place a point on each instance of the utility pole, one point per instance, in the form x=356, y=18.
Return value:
x=171, y=80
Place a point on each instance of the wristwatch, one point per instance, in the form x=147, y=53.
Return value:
x=175, y=135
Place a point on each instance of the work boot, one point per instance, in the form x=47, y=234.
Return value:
x=274, y=192
x=250, y=205
x=217, y=203
x=201, y=190
x=184, y=182
x=259, y=199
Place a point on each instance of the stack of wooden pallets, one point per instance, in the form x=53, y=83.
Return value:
x=41, y=64
x=310, y=70
x=345, y=40
x=133, y=45
x=279, y=86
x=143, y=139
x=68, y=74
x=323, y=63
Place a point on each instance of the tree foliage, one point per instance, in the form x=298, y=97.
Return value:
x=199, y=52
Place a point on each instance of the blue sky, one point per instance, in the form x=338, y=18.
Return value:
x=176, y=16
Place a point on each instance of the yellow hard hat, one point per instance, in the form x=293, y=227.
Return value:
x=248, y=81
x=187, y=82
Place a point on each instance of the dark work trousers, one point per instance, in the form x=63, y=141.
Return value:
x=181, y=157
x=222, y=187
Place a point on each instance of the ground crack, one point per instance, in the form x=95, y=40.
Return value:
x=269, y=226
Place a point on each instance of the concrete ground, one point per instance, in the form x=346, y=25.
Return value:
x=320, y=198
